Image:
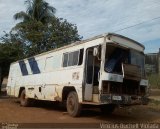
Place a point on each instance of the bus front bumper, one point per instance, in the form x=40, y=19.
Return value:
x=123, y=99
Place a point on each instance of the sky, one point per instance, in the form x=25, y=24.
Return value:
x=95, y=17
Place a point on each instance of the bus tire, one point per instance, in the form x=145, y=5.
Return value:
x=108, y=109
x=73, y=105
x=23, y=100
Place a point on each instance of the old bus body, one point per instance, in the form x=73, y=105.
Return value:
x=107, y=70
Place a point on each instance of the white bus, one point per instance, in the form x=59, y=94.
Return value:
x=106, y=70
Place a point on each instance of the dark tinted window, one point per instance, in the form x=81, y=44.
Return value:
x=81, y=57
x=34, y=65
x=35, y=68
x=23, y=68
x=90, y=59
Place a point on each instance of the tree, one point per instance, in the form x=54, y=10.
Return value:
x=62, y=32
x=38, y=32
x=11, y=49
x=37, y=10
x=41, y=31
x=38, y=38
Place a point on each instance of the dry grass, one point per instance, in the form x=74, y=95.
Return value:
x=154, y=81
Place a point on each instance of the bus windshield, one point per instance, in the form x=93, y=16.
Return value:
x=115, y=56
x=137, y=58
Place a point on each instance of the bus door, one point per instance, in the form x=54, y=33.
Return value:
x=92, y=68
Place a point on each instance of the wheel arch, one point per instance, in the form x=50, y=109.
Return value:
x=20, y=91
x=66, y=90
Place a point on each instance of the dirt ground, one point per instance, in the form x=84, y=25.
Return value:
x=48, y=112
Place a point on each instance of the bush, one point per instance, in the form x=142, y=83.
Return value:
x=154, y=81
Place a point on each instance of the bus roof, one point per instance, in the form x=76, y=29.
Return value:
x=84, y=41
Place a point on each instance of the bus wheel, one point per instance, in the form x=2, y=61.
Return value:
x=23, y=100
x=73, y=105
x=108, y=109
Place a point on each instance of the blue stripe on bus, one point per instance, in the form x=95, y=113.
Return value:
x=23, y=68
x=34, y=65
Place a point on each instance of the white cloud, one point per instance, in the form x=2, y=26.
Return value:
x=99, y=16
x=94, y=17
x=8, y=9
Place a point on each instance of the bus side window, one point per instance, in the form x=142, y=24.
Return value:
x=73, y=58
x=81, y=57
x=23, y=68
x=65, y=59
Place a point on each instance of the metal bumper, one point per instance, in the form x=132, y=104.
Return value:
x=123, y=99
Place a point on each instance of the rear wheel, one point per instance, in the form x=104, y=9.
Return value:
x=73, y=105
x=24, y=101
x=108, y=109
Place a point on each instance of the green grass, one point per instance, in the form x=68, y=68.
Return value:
x=154, y=81
x=156, y=102
x=154, y=105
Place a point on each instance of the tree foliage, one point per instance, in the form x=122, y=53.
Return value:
x=10, y=50
x=38, y=38
x=39, y=31
x=37, y=10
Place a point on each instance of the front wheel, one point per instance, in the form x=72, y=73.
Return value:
x=73, y=105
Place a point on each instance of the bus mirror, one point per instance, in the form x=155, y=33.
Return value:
x=95, y=51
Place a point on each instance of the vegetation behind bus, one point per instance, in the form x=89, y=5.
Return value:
x=34, y=35
x=154, y=80
x=152, y=61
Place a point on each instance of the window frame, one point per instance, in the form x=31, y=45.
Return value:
x=69, y=58
x=24, y=70
x=63, y=60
